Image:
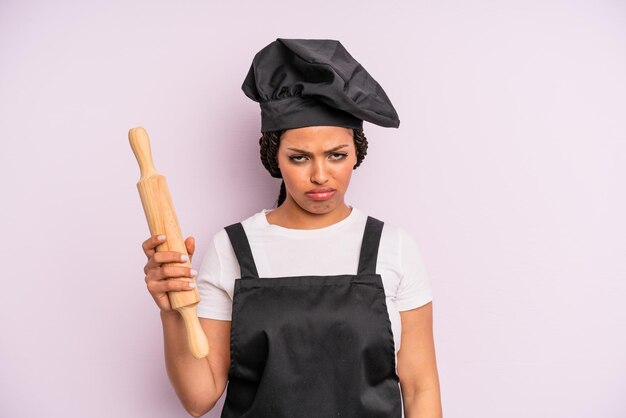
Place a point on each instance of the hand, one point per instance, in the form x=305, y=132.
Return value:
x=157, y=274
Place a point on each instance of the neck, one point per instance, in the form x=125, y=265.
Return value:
x=291, y=215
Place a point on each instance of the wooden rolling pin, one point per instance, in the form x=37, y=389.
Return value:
x=161, y=217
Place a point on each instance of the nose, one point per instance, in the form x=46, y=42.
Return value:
x=319, y=175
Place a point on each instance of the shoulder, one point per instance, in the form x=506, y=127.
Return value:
x=394, y=235
x=253, y=225
x=255, y=221
x=398, y=246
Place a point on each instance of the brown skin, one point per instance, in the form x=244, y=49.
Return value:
x=308, y=158
x=417, y=364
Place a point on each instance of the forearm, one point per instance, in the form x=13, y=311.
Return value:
x=423, y=404
x=191, y=378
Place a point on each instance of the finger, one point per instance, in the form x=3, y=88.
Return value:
x=172, y=272
x=164, y=286
x=150, y=244
x=153, y=276
x=162, y=257
x=190, y=244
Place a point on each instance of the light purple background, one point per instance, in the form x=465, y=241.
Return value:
x=508, y=169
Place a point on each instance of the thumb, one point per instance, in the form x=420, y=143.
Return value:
x=190, y=244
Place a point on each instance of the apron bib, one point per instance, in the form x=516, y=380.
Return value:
x=311, y=346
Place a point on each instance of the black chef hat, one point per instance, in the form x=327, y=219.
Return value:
x=307, y=82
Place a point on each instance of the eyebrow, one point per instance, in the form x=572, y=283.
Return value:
x=330, y=150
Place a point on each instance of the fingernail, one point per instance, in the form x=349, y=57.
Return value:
x=192, y=285
x=193, y=272
x=184, y=257
x=161, y=237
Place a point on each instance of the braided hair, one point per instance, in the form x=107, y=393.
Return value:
x=270, y=142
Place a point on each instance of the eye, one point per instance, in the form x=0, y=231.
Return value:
x=297, y=158
x=338, y=156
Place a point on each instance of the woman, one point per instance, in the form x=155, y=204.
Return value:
x=312, y=309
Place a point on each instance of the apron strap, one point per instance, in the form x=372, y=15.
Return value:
x=239, y=241
x=369, y=246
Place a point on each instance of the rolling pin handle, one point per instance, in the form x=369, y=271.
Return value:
x=196, y=339
x=140, y=143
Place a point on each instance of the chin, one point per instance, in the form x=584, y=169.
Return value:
x=321, y=207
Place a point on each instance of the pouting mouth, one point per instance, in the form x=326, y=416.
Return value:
x=321, y=190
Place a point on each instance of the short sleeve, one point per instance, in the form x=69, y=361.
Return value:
x=215, y=302
x=414, y=289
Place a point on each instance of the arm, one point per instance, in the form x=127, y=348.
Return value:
x=417, y=367
x=199, y=383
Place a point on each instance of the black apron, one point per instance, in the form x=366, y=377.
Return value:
x=311, y=346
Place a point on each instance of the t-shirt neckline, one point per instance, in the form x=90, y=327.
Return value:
x=352, y=216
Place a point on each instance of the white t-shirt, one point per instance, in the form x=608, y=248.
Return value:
x=332, y=250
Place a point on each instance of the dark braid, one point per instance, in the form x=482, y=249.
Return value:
x=360, y=142
x=270, y=142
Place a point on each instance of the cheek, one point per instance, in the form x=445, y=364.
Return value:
x=351, y=163
x=343, y=173
x=283, y=166
x=292, y=175
x=346, y=174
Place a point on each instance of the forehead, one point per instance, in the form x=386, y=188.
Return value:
x=316, y=136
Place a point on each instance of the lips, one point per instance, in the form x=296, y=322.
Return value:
x=322, y=193
x=321, y=190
